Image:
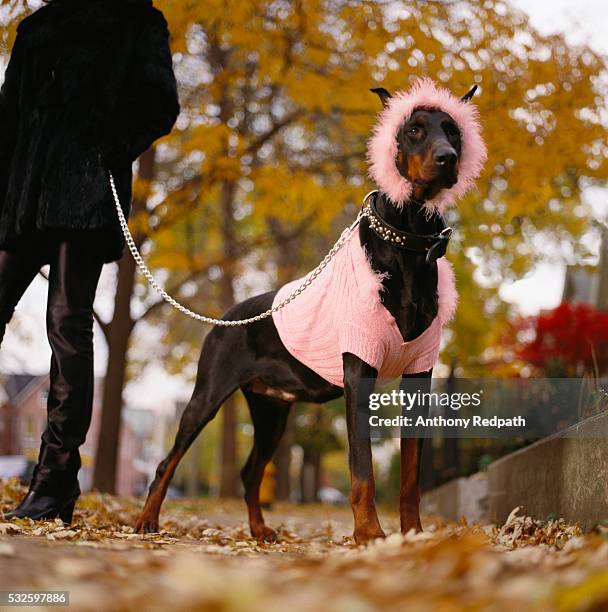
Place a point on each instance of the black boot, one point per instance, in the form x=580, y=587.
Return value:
x=52, y=494
x=39, y=506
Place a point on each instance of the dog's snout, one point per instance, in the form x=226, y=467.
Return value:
x=445, y=156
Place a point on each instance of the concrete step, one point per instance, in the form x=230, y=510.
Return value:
x=565, y=475
x=462, y=497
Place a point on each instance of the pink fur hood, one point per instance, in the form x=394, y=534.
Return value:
x=382, y=147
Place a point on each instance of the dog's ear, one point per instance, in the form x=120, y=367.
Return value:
x=469, y=94
x=383, y=94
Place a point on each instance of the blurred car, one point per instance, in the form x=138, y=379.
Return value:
x=16, y=466
x=329, y=495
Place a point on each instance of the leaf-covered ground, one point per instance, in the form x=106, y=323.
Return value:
x=204, y=559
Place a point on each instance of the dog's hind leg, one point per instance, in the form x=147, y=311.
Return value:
x=196, y=415
x=214, y=384
x=269, y=417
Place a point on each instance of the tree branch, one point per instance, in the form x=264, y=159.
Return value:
x=275, y=129
x=194, y=274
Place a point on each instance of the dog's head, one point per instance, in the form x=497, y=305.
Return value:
x=426, y=146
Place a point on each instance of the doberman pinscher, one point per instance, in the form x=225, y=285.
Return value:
x=254, y=359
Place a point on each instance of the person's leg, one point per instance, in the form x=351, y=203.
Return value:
x=17, y=270
x=74, y=275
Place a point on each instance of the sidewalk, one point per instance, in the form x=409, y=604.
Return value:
x=205, y=560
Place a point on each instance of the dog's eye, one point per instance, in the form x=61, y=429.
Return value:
x=414, y=131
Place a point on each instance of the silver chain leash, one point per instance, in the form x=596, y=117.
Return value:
x=344, y=236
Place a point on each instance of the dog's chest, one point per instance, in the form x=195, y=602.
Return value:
x=409, y=286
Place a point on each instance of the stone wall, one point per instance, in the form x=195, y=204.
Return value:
x=565, y=475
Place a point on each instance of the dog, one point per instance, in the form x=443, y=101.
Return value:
x=425, y=152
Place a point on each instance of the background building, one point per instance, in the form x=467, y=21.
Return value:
x=23, y=419
x=589, y=284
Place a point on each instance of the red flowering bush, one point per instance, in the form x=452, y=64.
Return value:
x=570, y=340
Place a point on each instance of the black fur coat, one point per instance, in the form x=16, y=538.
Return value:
x=89, y=87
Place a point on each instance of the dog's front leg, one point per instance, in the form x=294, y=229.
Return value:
x=359, y=382
x=411, y=450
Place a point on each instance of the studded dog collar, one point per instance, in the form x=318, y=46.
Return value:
x=434, y=245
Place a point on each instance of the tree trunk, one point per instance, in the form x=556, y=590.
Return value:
x=118, y=334
x=310, y=476
x=228, y=473
x=287, y=266
x=282, y=461
x=106, y=458
x=450, y=456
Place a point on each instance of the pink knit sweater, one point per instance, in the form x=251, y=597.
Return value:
x=341, y=312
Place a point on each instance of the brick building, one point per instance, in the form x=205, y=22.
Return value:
x=23, y=419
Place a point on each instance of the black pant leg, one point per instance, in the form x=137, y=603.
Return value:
x=74, y=275
x=17, y=271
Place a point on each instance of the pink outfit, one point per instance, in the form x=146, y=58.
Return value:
x=382, y=147
x=341, y=312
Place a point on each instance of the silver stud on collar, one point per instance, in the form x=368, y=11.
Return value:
x=382, y=230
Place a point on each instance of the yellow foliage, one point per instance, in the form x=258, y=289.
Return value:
x=276, y=113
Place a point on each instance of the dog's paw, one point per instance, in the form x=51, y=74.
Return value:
x=366, y=535
x=262, y=533
x=409, y=523
x=146, y=524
